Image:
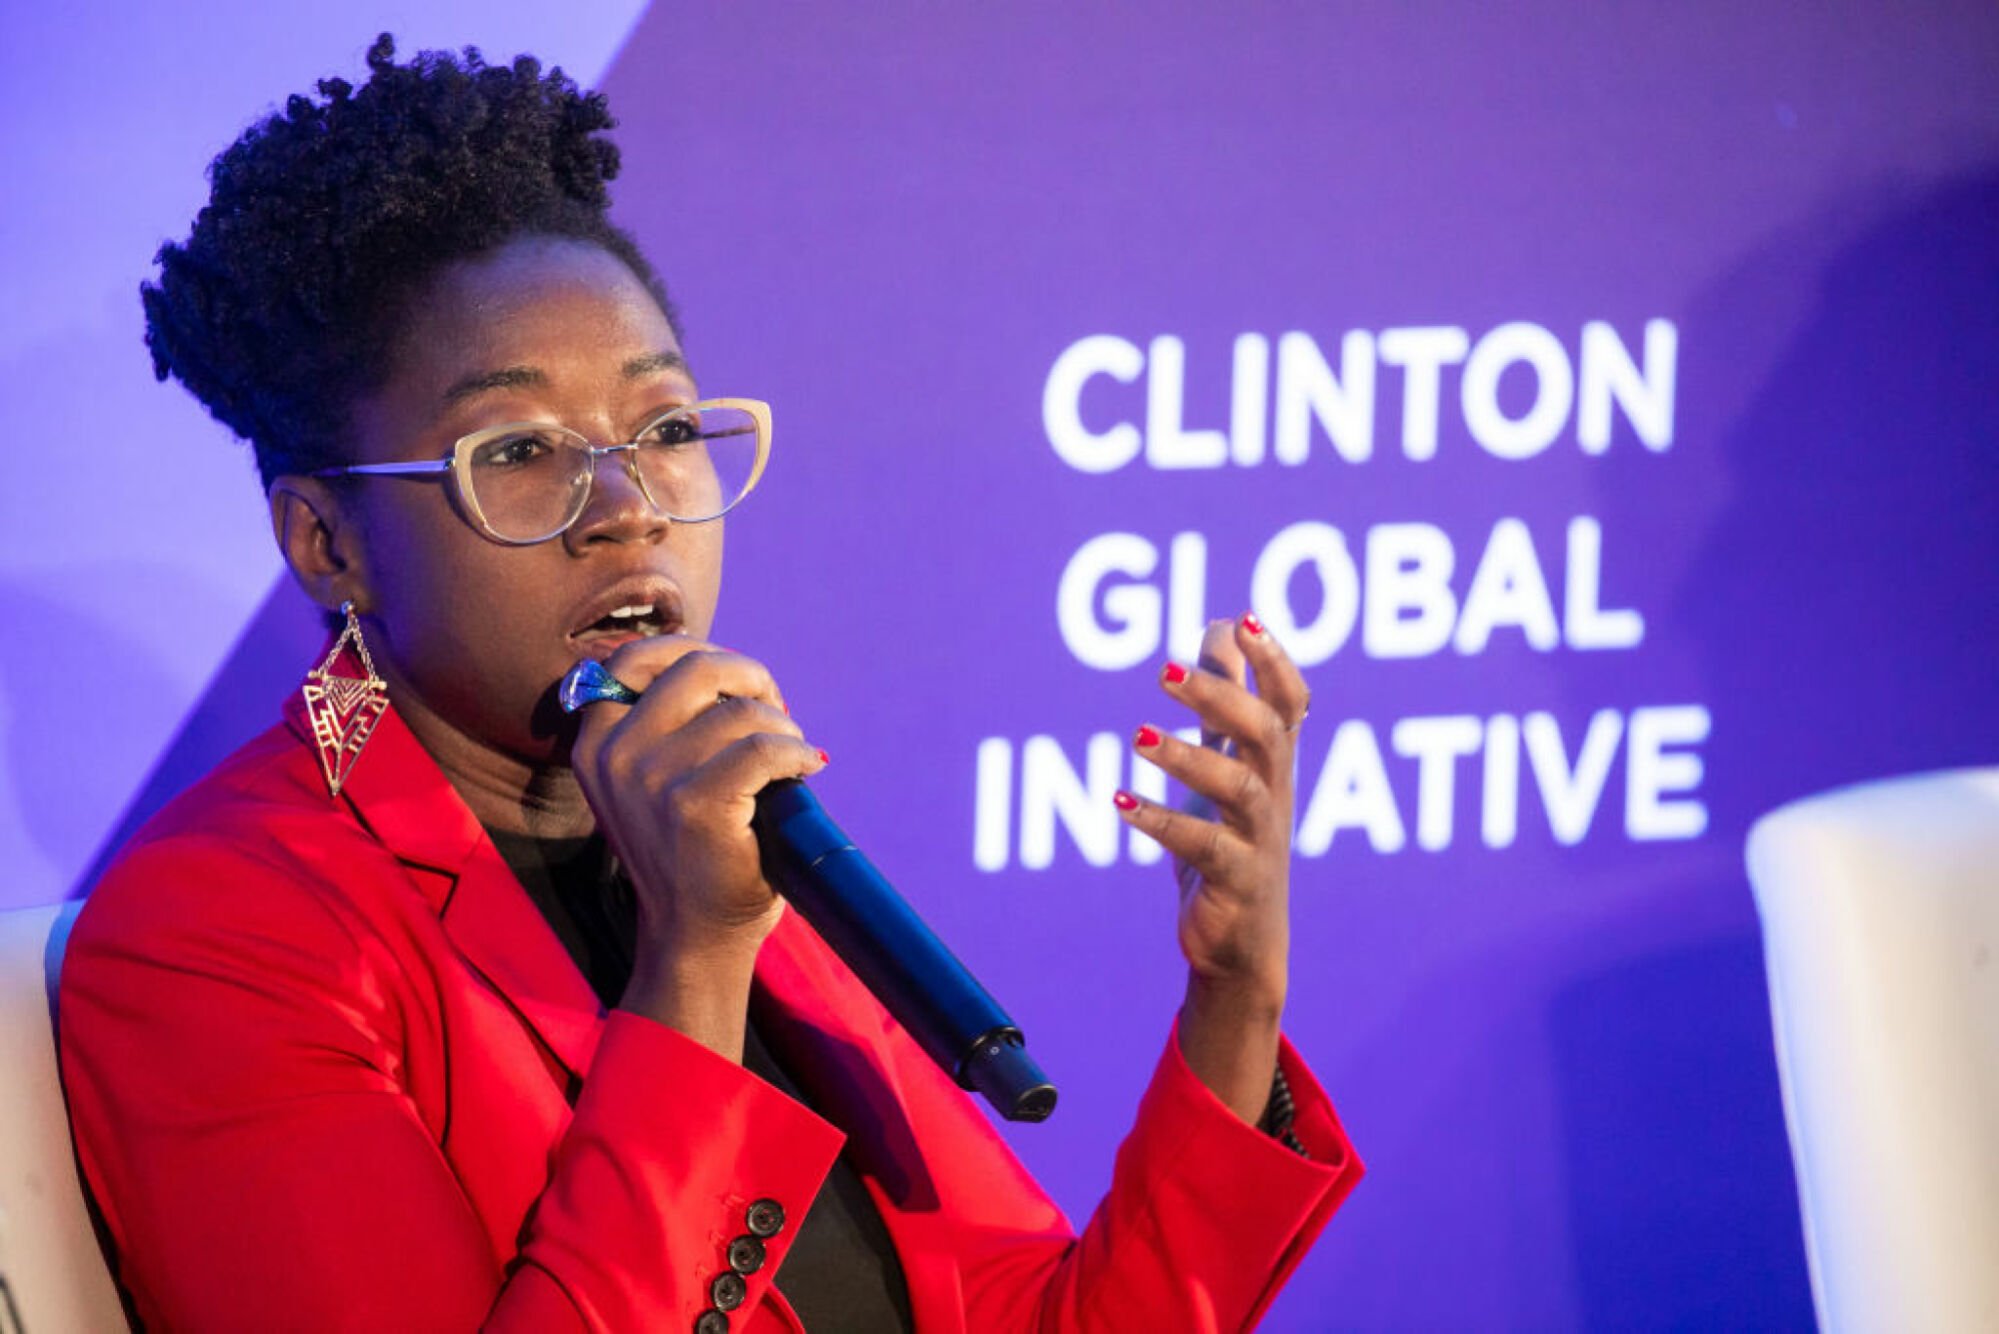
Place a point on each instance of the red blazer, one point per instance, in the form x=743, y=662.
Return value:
x=321, y=1056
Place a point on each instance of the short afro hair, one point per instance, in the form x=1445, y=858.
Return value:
x=324, y=220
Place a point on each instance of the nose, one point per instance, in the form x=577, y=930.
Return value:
x=617, y=510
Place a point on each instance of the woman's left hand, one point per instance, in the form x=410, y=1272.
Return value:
x=1232, y=852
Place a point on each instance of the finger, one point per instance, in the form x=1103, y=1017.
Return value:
x=1207, y=846
x=677, y=678
x=675, y=663
x=746, y=766
x=1228, y=710
x=678, y=682
x=1224, y=782
x=708, y=731
x=653, y=737
x=1279, y=683
x=1221, y=655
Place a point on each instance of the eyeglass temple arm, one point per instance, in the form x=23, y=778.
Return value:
x=387, y=469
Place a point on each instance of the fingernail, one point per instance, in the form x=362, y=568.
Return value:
x=1148, y=737
x=1251, y=624
x=1124, y=801
x=1174, y=673
x=824, y=758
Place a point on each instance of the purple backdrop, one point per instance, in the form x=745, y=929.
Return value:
x=141, y=547
x=1670, y=332
x=1555, y=1057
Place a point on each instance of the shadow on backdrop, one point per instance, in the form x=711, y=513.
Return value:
x=282, y=642
x=1653, y=1060
x=77, y=685
x=1827, y=603
x=1843, y=602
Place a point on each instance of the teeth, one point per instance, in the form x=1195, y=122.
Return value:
x=628, y=613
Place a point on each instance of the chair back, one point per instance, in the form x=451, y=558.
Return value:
x=1880, y=908
x=53, y=1278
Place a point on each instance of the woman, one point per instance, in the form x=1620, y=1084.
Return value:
x=434, y=1008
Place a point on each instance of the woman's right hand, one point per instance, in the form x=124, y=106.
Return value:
x=673, y=781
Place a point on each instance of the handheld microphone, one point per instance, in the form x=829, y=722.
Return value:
x=838, y=890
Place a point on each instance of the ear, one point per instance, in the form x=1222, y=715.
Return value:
x=320, y=542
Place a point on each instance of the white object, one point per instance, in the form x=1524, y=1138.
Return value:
x=1880, y=908
x=55, y=1276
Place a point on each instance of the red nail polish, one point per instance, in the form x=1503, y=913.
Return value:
x=1124, y=801
x=1174, y=673
x=824, y=758
x=1148, y=737
x=1251, y=624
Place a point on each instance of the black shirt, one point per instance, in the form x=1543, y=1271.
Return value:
x=841, y=1273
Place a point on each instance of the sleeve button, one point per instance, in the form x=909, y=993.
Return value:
x=766, y=1218
x=746, y=1255
x=728, y=1291
x=711, y=1322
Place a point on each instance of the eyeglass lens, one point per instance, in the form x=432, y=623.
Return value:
x=532, y=483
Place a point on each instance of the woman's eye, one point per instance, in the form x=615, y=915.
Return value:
x=675, y=430
x=512, y=451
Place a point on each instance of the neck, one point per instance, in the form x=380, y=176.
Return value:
x=504, y=791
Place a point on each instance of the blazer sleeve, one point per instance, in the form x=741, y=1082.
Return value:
x=1205, y=1218
x=233, y=1049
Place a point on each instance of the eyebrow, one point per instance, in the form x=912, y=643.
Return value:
x=654, y=362
x=511, y=377
x=520, y=377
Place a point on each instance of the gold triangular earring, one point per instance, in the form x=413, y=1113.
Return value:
x=344, y=709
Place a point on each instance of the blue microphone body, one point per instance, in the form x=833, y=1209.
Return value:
x=820, y=872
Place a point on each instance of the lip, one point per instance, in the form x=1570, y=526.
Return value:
x=655, y=589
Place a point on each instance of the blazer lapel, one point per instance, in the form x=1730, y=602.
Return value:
x=399, y=793
x=504, y=936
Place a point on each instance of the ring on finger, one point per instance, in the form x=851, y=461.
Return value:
x=1303, y=714
x=590, y=682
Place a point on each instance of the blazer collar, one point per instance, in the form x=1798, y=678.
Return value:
x=400, y=795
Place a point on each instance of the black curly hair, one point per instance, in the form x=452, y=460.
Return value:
x=322, y=221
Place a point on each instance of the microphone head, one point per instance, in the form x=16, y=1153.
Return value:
x=1000, y=1069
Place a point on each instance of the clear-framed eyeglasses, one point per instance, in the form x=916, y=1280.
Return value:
x=527, y=482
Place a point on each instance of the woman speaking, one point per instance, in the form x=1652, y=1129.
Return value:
x=438, y=1006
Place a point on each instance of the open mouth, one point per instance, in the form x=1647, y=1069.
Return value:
x=638, y=607
x=638, y=620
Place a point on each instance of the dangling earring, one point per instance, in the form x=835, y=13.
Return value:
x=344, y=709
